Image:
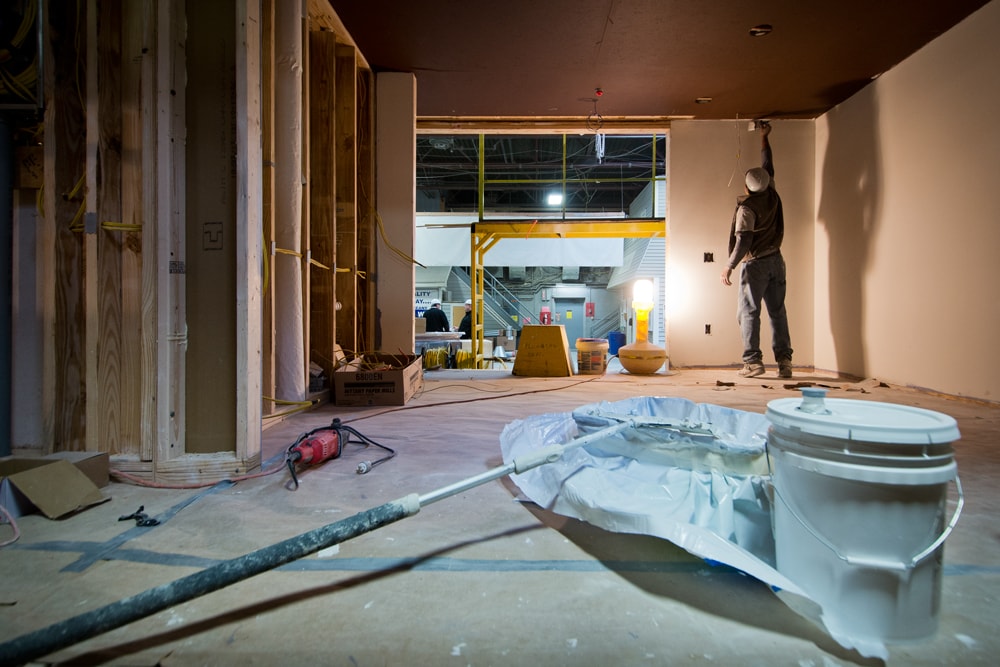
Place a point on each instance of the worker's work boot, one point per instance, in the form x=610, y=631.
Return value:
x=752, y=369
x=785, y=368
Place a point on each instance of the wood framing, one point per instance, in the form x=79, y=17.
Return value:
x=365, y=210
x=268, y=406
x=64, y=302
x=248, y=236
x=168, y=303
x=345, y=142
x=322, y=200
x=160, y=213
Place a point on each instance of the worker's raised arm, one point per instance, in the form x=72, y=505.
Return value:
x=766, y=158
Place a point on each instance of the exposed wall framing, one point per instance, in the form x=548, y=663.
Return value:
x=158, y=221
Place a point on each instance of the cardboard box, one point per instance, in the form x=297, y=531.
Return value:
x=419, y=325
x=508, y=344
x=378, y=379
x=55, y=485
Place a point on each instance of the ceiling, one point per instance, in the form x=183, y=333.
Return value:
x=650, y=58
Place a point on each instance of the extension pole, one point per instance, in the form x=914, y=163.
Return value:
x=39, y=643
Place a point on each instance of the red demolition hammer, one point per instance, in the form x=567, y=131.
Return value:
x=326, y=442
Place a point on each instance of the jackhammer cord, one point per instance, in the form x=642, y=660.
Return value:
x=365, y=466
x=290, y=461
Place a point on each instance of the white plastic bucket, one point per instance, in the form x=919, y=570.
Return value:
x=591, y=356
x=859, y=520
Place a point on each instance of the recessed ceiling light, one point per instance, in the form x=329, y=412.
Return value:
x=703, y=100
x=761, y=30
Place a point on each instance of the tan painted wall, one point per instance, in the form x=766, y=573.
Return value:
x=707, y=163
x=908, y=220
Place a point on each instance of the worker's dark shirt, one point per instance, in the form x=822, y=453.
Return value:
x=436, y=320
x=758, y=222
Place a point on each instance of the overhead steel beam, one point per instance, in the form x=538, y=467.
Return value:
x=487, y=234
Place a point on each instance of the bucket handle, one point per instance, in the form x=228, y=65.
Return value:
x=875, y=562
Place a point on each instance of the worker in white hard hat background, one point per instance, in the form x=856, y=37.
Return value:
x=436, y=318
x=465, y=326
x=755, y=237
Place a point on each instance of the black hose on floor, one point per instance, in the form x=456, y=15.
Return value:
x=71, y=631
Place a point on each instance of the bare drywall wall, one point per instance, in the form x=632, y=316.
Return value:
x=907, y=220
x=708, y=160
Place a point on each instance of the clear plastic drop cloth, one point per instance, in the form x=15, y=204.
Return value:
x=695, y=474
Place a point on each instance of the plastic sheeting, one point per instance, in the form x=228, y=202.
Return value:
x=290, y=356
x=692, y=473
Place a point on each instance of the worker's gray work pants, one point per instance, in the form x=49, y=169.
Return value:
x=763, y=279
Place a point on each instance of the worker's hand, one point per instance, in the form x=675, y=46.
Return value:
x=765, y=128
x=726, y=273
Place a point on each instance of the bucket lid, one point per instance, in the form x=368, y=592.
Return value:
x=868, y=421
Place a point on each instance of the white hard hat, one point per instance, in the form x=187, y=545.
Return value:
x=436, y=302
x=468, y=302
x=758, y=179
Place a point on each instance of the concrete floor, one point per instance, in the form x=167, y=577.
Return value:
x=483, y=578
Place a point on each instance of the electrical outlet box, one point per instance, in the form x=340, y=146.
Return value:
x=709, y=257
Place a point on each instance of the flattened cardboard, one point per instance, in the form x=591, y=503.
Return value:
x=55, y=487
x=92, y=464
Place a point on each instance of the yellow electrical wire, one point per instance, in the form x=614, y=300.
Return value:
x=121, y=226
x=266, y=263
x=385, y=239
x=300, y=406
x=20, y=84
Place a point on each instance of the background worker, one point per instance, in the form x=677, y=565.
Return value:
x=436, y=319
x=465, y=326
x=756, y=233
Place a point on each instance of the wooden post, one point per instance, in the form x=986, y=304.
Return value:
x=322, y=200
x=268, y=203
x=64, y=303
x=367, y=266
x=170, y=268
x=248, y=233
x=345, y=143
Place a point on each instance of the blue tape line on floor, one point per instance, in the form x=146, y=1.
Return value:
x=112, y=546
x=431, y=564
